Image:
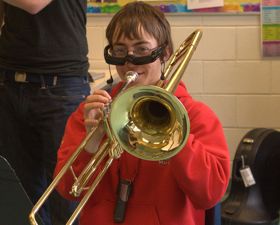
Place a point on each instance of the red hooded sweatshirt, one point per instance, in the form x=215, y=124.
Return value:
x=173, y=192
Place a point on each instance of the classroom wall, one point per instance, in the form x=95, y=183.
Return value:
x=226, y=71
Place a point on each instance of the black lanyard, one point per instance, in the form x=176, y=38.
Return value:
x=127, y=173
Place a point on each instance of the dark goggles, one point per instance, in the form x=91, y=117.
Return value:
x=141, y=60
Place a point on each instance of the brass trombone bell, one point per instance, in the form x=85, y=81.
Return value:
x=149, y=123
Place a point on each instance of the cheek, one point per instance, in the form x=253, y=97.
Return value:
x=120, y=71
x=155, y=72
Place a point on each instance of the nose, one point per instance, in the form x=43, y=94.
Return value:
x=130, y=52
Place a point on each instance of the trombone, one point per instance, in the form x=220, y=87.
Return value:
x=152, y=124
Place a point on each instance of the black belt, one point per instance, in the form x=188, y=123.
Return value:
x=43, y=79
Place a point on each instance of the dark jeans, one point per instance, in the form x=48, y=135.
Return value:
x=33, y=115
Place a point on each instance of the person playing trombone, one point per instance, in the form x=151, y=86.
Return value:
x=134, y=191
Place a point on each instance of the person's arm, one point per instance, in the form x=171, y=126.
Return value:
x=75, y=133
x=202, y=168
x=1, y=13
x=31, y=6
x=88, y=116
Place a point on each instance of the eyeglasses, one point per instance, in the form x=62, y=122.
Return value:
x=118, y=55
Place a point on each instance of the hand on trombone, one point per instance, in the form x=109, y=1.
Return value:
x=93, y=115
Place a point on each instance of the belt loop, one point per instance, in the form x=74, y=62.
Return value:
x=55, y=80
x=89, y=78
x=43, y=84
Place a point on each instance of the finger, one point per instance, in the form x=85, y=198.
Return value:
x=93, y=106
x=90, y=123
x=103, y=93
x=99, y=96
x=93, y=114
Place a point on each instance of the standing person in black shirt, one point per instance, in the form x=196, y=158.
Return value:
x=43, y=78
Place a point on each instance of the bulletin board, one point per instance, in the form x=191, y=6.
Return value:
x=179, y=6
x=270, y=28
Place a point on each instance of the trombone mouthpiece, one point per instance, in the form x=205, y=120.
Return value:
x=131, y=76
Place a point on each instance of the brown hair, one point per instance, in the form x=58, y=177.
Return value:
x=136, y=15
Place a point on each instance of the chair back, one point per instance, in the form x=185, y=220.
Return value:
x=14, y=204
